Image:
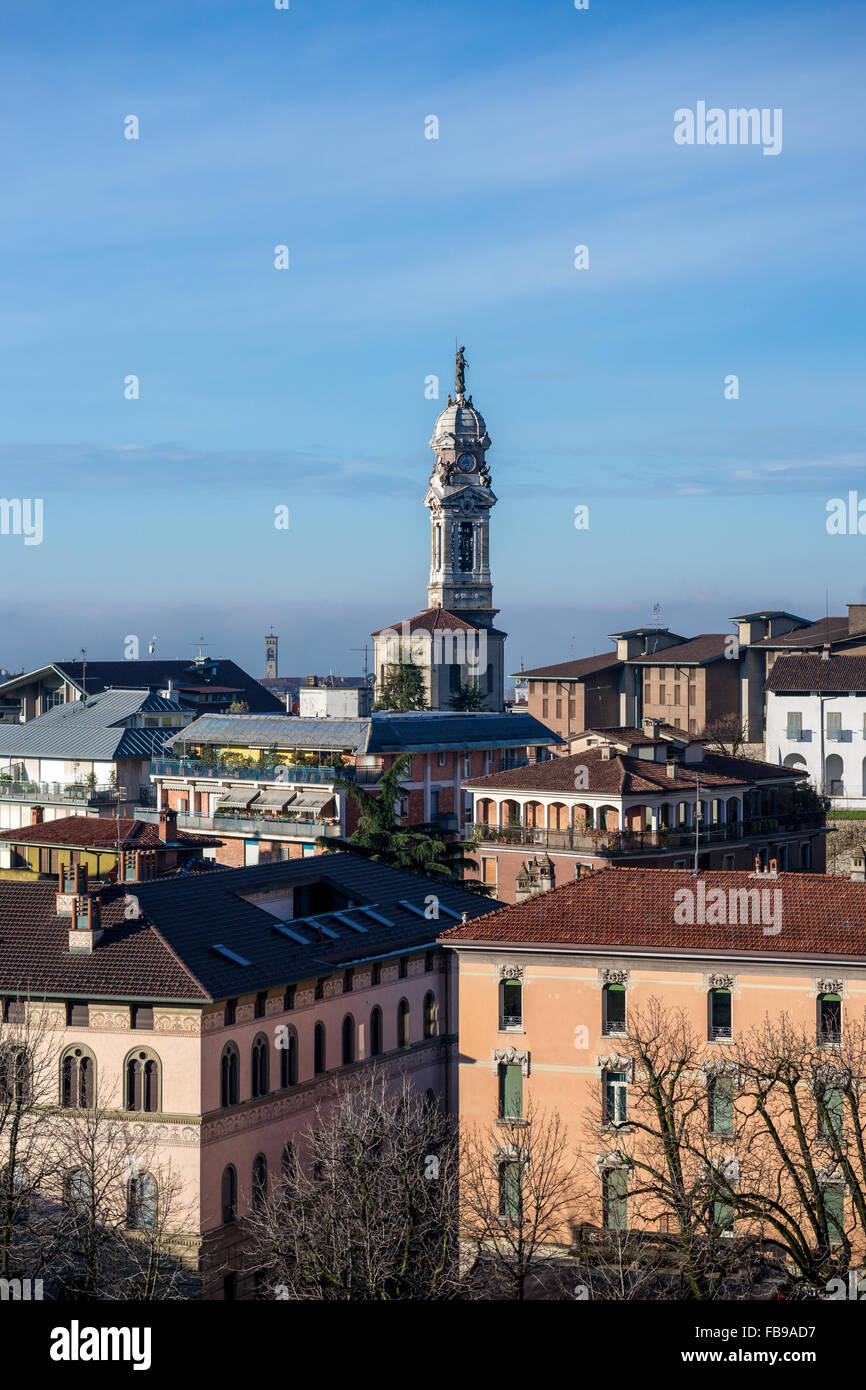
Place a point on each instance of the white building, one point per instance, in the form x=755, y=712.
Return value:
x=816, y=719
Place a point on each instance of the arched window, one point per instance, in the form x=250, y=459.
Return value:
x=259, y=1064
x=141, y=1203
x=289, y=1060
x=78, y=1192
x=829, y=1019
x=511, y=1004
x=319, y=1049
x=375, y=1032
x=429, y=1014
x=77, y=1079
x=229, y=1195
x=142, y=1073
x=260, y=1179
x=230, y=1068
x=15, y=1075
x=403, y=1023
x=348, y=1040
x=613, y=1010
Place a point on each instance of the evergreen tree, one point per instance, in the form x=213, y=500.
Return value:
x=402, y=689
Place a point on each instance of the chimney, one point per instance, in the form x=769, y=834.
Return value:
x=825, y=652
x=168, y=825
x=86, y=931
x=671, y=767
x=606, y=753
x=856, y=618
x=37, y=815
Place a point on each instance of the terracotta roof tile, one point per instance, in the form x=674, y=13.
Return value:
x=623, y=775
x=806, y=673
x=819, y=914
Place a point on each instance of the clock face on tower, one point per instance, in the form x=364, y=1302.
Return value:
x=466, y=463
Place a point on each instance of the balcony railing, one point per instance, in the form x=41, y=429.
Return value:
x=73, y=792
x=280, y=827
x=319, y=773
x=612, y=842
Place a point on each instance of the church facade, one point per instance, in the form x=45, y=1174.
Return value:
x=454, y=641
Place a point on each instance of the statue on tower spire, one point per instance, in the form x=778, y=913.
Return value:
x=459, y=377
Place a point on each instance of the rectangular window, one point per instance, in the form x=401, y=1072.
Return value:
x=615, y=1199
x=488, y=872
x=723, y=1217
x=727, y=861
x=467, y=765
x=261, y=1003
x=559, y=709
x=509, y=1190
x=78, y=1015
x=510, y=1092
x=721, y=1094
x=677, y=700
x=795, y=725
x=829, y=1019
x=662, y=694
x=231, y=1012
x=289, y=998
x=806, y=854
x=615, y=1098
x=613, y=1019
x=721, y=1013
x=434, y=803
x=834, y=1211
x=142, y=1015
x=834, y=726
x=544, y=708
x=831, y=1112
x=443, y=758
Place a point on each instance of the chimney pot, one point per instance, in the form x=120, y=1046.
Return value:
x=37, y=815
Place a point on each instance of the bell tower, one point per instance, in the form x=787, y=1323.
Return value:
x=271, y=657
x=459, y=498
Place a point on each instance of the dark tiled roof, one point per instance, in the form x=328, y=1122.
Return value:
x=381, y=732
x=803, y=673
x=99, y=832
x=572, y=670
x=158, y=673
x=767, y=613
x=709, y=646
x=624, y=775
x=626, y=733
x=821, y=914
x=436, y=620
x=169, y=952
x=815, y=635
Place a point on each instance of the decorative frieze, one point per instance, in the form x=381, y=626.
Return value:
x=510, y=1057
x=613, y=1062
x=613, y=976
x=713, y=981
x=836, y=986
x=245, y=1013
x=175, y=1022
x=512, y=972
x=109, y=1020
x=612, y=1159
x=274, y=1005
x=304, y=997
x=213, y=1020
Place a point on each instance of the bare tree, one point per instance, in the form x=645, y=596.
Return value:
x=367, y=1209
x=117, y=1208
x=664, y=1130
x=518, y=1198
x=728, y=735
x=803, y=1171
x=28, y=1091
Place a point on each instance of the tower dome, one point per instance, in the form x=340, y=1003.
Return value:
x=460, y=423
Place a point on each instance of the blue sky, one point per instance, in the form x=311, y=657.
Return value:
x=305, y=388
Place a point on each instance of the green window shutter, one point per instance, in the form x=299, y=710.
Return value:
x=512, y=1092
x=616, y=1193
x=723, y=1104
x=510, y=1178
x=834, y=1209
x=834, y=1102
x=723, y=1215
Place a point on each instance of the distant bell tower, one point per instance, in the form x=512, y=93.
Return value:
x=271, y=644
x=459, y=498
